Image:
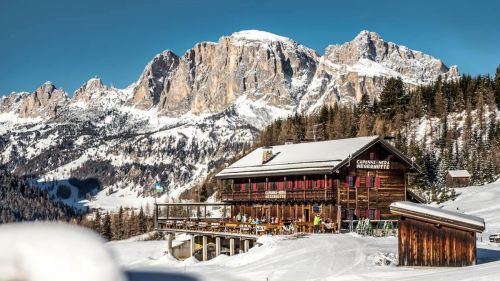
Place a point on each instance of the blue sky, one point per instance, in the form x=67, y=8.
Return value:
x=68, y=42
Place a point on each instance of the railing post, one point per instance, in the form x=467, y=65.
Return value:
x=156, y=216
x=325, y=186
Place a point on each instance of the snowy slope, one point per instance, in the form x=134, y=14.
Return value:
x=482, y=201
x=316, y=257
x=333, y=257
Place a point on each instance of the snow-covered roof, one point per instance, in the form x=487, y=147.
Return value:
x=459, y=173
x=438, y=215
x=311, y=157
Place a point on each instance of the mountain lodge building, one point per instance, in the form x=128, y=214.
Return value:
x=341, y=180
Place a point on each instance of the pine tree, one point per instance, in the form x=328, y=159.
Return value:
x=118, y=225
x=392, y=97
x=96, y=225
x=142, y=222
x=106, y=227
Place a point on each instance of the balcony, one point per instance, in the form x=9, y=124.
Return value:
x=279, y=195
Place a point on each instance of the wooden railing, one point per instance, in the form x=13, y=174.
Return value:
x=240, y=227
x=279, y=195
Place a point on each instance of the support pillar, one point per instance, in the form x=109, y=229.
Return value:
x=231, y=246
x=170, y=237
x=217, y=246
x=192, y=245
x=246, y=245
x=205, y=248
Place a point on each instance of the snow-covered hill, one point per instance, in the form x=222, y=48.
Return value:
x=482, y=201
x=187, y=114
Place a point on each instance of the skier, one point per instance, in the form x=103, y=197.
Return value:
x=238, y=217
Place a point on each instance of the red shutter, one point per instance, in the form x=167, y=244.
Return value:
x=377, y=214
x=330, y=183
x=356, y=212
x=254, y=186
x=377, y=182
x=357, y=182
x=347, y=182
x=242, y=186
x=280, y=184
x=367, y=213
x=368, y=182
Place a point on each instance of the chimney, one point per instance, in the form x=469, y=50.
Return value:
x=390, y=140
x=267, y=154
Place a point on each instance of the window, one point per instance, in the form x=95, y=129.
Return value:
x=371, y=214
x=370, y=182
x=350, y=214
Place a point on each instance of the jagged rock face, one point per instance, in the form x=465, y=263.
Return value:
x=415, y=65
x=12, y=102
x=363, y=65
x=212, y=76
x=44, y=102
x=280, y=72
x=154, y=79
x=92, y=89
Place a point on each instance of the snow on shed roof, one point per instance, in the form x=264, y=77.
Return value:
x=438, y=215
x=313, y=157
x=459, y=173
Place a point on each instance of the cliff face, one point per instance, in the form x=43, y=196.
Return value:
x=212, y=76
x=44, y=102
x=280, y=72
x=363, y=65
x=256, y=66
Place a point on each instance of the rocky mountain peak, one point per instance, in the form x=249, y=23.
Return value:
x=44, y=102
x=152, y=81
x=90, y=89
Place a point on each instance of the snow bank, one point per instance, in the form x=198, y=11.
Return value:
x=53, y=252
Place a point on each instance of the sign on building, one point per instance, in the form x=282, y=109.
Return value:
x=373, y=164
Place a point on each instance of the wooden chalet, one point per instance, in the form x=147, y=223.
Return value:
x=430, y=236
x=341, y=180
x=457, y=178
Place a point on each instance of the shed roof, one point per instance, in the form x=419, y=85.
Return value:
x=459, y=173
x=311, y=157
x=438, y=215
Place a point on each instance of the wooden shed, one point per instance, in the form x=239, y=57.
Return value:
x=457, y=178
x=430, y=236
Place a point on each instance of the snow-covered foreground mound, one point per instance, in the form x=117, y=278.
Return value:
x=52, y=252
x=316, y=257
